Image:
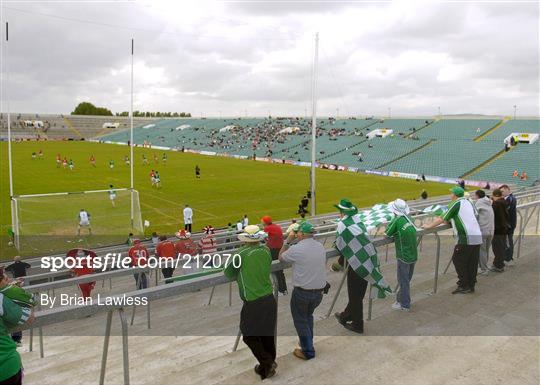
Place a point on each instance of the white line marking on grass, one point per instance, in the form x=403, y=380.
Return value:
x=177, y=220
x=206, y=213
x=181, y=205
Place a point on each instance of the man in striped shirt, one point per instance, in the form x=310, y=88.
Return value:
x=462, y=214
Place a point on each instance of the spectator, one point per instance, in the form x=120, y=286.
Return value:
x=11, y=314
x=515, y=174
x=512, y=222
x=188, y=218
x=523, y=176
x=352, y=318
x=304, y=203
x=208, y=245
x=239, y=225
x=18, y=269
x=404, y=232
x=308, y=258
x=486, y=222
x=469, y=238
x=139, y=257
x=186, y=248
x=84, y=269
x=274, y=242
x=259, y=310
x=245, y=221
x=292, y=227
x=499, y=243
x=155, y=238
x=167, y=254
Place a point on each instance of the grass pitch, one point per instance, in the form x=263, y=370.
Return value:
x=228, y=188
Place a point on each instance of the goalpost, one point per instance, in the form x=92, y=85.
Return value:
x=49, y=223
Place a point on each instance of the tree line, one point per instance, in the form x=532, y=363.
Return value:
x=87, y=108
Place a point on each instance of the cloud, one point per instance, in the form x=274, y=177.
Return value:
x=212, y=56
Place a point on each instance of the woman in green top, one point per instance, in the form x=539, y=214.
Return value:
x=258, y=317
x=404, y=232
x=11, y=315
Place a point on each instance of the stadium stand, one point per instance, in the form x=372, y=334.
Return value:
x=444, y=147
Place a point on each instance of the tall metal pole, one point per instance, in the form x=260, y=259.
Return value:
x=131, y=144
x=314, y=123
x=14, y=224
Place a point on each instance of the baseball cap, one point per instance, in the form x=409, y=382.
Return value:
x=306, y=227
x=457, y=191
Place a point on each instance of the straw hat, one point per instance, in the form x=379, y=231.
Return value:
x=252, y=233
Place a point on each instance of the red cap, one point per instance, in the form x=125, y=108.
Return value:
x=267, y=219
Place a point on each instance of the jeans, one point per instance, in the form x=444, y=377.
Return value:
x=303, y=304
x=404, y=275
x=484, y=252
x=510, y=250
x=141, y=281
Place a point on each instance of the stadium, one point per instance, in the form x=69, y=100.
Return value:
x=126, y=186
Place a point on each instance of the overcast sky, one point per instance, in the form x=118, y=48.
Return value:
x=256, y=56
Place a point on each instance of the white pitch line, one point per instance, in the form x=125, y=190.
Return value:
x=179, y=204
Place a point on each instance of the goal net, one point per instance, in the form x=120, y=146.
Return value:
x=51, y=223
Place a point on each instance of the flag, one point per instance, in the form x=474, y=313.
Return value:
x=353, y=242
x=437, y=210
x=378, y=215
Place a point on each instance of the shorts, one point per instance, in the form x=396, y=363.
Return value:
x=112, y=197
x=84, y=223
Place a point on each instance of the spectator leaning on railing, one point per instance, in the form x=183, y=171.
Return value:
x=512, y=221
x=308, y=258
x=259, y=311
x=500, y=238
x=485, y=220
x=404, y=232
x=461, y=213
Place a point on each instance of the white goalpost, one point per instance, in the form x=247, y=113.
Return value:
x=49, y=223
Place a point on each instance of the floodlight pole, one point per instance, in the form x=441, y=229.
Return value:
x=314, y=123
x=14, y=224
x=131, y=144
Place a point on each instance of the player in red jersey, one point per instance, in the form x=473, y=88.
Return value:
x=93, y=160
x=58, y=160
